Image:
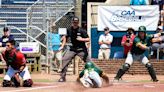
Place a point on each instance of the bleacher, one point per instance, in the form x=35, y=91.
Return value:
x=14, y=14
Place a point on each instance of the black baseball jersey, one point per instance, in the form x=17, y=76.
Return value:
x=73, y=34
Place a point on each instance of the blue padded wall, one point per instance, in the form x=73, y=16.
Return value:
x=116, y=44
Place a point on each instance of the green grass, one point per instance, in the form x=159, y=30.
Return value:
x=1, y=78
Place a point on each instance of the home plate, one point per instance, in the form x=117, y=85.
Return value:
x=149, y=86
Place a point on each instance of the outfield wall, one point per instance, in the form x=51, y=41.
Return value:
x=112, y=66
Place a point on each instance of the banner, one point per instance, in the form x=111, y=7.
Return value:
x=119, y=18
x=29, y=47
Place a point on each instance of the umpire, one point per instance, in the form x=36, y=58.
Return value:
x=78, y=37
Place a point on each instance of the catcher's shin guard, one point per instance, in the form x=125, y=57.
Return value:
x=122, y=71
x=15, y=82
x=27, y=83
x=6, y=83
x=151, y=72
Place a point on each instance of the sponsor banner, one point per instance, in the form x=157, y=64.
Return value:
x=119, y=18
x=29, y=47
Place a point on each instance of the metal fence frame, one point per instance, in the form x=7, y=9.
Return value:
x=34, y=31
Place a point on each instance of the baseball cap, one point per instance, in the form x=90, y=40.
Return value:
x=5, y=29
x=130, y=29
x=106, y=29
x=75, y=19
x=142, y=29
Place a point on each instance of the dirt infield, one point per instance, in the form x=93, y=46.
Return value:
x=48, y=83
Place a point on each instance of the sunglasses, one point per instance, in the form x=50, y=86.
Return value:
x=105, y=29
x=75, y=22
x=7, y=45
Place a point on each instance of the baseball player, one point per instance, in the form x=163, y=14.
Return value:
x=16, y=63
x=141, y=43
x=91, y=76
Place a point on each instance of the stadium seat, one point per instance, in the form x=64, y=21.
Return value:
x=118, y=55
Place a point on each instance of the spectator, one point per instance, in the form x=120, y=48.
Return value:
x=127, y=41
x=6, y=36
x=56, y=49
x=78, y=38
x=56, y=41
x=158, y=2
x=105, y=41
x=139, y=2
x=4, y=39
x=158, y=45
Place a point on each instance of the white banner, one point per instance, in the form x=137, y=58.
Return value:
x=119, y=18
x=29, y=47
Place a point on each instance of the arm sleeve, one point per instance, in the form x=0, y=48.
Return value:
x=150, y=37
x=81, y=74
x=68, y=33
x=123, y=39
x=84, y=33
x=100, y=38
x=11, y=37
x=136, y=41
x=0, y=39
x=111, y=39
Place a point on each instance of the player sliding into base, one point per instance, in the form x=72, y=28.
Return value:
x=141, y=43
x=16, y=63
x=91, y=76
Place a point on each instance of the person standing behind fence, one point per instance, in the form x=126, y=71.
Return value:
x=139, y=2
x=6, y=37
x=58, y=50
x=56, y=47
x=105, y=41
x=127, y=41
x=78, y=39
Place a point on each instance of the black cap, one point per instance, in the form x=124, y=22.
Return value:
x=130, y=29
x=5, y=29
x=106, y=29
x=75, y=19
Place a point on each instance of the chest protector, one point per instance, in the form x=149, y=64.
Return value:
x=14, y=58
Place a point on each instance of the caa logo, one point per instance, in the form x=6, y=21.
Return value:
x=128, y=13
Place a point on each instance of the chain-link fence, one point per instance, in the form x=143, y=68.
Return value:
x=42, y=16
